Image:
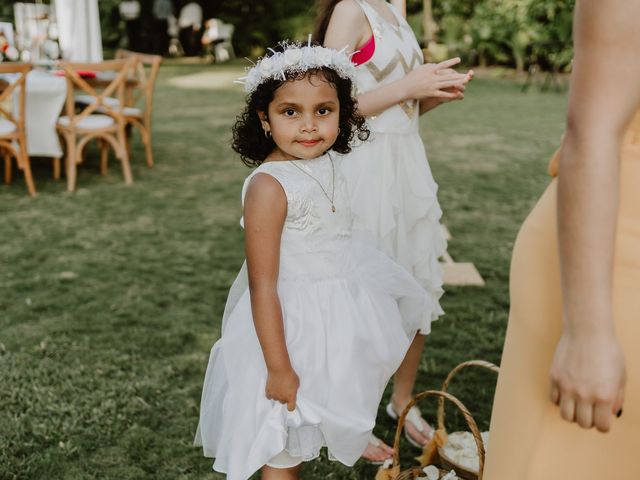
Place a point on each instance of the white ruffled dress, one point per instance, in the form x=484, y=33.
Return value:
x=344, y=329
x=393, y=193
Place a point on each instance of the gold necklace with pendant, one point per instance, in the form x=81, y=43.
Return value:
x=333, y=181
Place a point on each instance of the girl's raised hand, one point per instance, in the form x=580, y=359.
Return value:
x=458, y=89
x=282, y=386
x=437, y=80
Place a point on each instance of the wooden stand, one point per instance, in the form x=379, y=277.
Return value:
x=459, y=274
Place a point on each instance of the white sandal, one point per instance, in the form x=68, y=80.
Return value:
x=414, y=417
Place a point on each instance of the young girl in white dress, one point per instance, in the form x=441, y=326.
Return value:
x=312, y=329
x=393, y=194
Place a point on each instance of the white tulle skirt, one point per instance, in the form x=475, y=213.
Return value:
x=345, y=336
x=394, y=197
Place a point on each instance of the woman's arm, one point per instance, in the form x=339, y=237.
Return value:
x=588, y=372
x=265, y=209
x=349, y=28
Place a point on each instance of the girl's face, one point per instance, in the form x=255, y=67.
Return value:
x=303, y=118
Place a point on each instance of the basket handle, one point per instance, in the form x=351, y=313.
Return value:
x=442, y=395
x=453, y=373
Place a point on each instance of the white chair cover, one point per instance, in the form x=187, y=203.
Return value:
x=46, y=94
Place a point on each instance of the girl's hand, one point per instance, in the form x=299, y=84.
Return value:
x=450, y=71
x=433, y=80
x=456, y=90
x=588, y=378
x=282, y=386
x=458, y=94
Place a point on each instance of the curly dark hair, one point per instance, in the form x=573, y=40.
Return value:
x=248, y=136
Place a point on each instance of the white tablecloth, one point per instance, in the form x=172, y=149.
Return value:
x=46, y=94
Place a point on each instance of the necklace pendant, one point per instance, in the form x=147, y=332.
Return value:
x=333, y=208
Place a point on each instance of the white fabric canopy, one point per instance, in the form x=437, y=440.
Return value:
x=79, y=30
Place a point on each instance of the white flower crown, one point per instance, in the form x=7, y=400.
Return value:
x=296, y=58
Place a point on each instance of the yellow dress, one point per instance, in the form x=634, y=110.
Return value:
x=529, y=440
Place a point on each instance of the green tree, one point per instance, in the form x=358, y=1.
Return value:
x=500, y=31
x=262, y=23
x=507, y=32
x=552, y=20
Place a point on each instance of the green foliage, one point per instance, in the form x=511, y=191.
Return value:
x=552, y=45
x=508, y=32
x=514, y=33
x=6, y=11
x=500, y=31
x=262, y=23
x=461, y=8
x=112, y=29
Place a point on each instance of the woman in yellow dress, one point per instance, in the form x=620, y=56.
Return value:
x=571, y=362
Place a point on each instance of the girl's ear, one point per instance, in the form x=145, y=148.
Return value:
x=264, y=121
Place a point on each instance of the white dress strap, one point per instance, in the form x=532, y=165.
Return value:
x=371, y=14
x=276, y=170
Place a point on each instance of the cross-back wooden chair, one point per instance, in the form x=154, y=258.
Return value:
x=97, y=120
x=138, y=104
x=13, y=139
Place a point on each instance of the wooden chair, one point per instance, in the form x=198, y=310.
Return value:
x=138, y=99
x=13, y=140
x=139, y=105
x=96, y=120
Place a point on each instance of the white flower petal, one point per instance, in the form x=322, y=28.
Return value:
x=431, y=472
x=292, y=56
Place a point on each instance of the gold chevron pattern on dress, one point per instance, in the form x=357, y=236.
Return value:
x=407, y=106
x=398, y=29
x=398, y=59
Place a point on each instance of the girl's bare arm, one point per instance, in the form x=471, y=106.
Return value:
x=265, y=209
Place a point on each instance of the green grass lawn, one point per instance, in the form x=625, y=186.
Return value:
x=110, y=298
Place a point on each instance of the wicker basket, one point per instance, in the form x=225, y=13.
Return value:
x=446, y=462
x=394, y=472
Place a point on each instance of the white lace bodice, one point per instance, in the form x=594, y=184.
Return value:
x=396, y=53
x=314, y=237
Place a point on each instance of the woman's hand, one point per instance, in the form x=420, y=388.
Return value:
x=282, y=386
x=588, y=378
x=436, y=80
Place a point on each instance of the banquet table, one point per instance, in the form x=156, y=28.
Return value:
x=45, y=99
